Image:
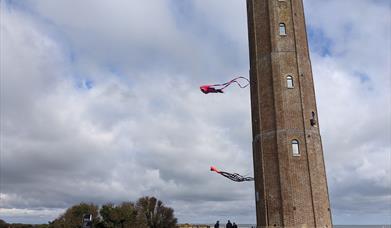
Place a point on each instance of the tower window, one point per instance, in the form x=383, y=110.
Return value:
x=282, y=4
x=289, y=82
x=295, y=148
x=312, y=120
x=282, y=29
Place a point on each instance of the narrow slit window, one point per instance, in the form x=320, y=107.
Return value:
x=282, y=29
x=313, y=120
x=295, y=148
x=289, y=82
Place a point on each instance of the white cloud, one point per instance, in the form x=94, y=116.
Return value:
x=100, y=103
x=353, y=91
x=123, y=140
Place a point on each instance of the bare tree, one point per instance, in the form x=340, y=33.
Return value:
x=153, y=214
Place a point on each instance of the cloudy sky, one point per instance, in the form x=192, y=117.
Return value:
x=100, y=103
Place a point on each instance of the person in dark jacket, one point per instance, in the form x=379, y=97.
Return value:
x=234, y=225
x=217, y=225
x=229, y=224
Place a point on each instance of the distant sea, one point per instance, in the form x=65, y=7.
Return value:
x=362, y=226
x=335, y=226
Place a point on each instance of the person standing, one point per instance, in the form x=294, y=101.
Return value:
x=234, y=225
x=217, y=225
x=229, y=224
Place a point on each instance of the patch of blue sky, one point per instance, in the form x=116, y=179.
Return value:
x=10, y=4
x=386, y=3
x=362, y=76
x=151, y=58
x=158, y=105
x=7, y=4
x=27, y=9
x=116, y=71
x=183, y=12
x=55, y=33
x=227, y=49
x=88, y=84
x=50, y=29
x=113, y=69
x=348, y=27
x=365, y=80
x=83, y=83
x=319, y=43
x=71, y=56
x=234, y=55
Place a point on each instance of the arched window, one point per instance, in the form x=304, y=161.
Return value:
x=289, y=82
x=282, y=29
x=282, y=4
x=295, y=148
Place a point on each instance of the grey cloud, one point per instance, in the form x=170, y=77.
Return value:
x=145, y=129
x=359, y=35
x=114, y=140
x=132, y=36
x=356, y=139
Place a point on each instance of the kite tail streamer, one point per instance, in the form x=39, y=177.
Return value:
x=232, y=176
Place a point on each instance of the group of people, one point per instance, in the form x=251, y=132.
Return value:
x=229, y=225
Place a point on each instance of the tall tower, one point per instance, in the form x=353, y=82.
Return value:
x=290, y=179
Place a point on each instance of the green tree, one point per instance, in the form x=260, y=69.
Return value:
x=108, y=214
x=72, y=218
x=3, y=224
x=153, y=214
x=123, y=215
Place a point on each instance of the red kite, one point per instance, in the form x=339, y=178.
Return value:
x=218, y=88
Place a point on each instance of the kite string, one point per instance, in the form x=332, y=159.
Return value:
x=225, y=85
x=235, y=80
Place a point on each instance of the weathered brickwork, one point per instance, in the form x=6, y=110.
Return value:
x=291, y=190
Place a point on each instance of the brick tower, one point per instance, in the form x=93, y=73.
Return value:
x=290, y=178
